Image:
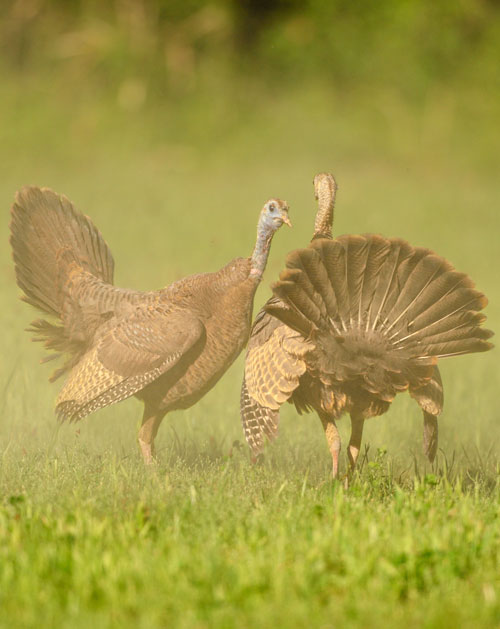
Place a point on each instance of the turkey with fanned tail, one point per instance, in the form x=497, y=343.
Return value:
x=376, y=315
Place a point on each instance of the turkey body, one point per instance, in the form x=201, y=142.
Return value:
x=166, y=347
x=274, y=363
x=232, y=290
x=197, y=326
x=358, y=319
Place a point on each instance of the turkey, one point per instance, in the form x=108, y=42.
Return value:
x=273, y=359
x=166, y=347
x=372, y=316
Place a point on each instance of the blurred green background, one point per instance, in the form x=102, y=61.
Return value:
x=171, y=122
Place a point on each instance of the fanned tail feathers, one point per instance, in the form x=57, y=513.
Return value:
x=47, y=234
x=385, y=292
x=50, y=239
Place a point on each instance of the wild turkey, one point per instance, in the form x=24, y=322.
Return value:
x=371, y=317
x=273, y=365
x=166, y=347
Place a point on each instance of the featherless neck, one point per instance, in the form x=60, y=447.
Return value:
x=261, y=251
x=325, y=191
x=324, y=220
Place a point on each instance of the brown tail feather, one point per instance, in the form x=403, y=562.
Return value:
x=462, y=319
x=455, y=348
x=43, y=224
x=438, y=288
x=387, y=283
x=384, y=290
x=333, y=259
x=290, y=316
x=455, y=334
x=304, y=283
x=449, y=307
x=290, y=291
x=402, y=273
x=420, y=277
x=356, y=254
x=321, y=291
x=378, y=252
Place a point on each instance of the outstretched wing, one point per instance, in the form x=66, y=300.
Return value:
x=273, y=366
x=134, y=352
x=258, y=421
x=430, y=397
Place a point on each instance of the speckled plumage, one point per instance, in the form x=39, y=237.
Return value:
x=376, y=315
x=167, y=347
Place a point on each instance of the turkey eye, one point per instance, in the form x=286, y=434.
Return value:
x=272, y=208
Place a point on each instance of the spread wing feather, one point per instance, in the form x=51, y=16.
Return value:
x=128, y=357
x=259, y=422
x=272, y=372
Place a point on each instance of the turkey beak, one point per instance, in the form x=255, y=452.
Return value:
x=286, y=220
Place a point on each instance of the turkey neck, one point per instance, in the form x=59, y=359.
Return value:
x=324, y=216
x=261, y=251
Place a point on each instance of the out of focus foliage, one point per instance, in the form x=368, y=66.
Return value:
x=148, y=48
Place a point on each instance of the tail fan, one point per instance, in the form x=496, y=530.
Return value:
x=46, y=232
x=376, y=289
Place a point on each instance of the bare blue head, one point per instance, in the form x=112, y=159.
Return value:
x=272, y=216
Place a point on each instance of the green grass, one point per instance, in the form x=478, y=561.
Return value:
x=211, y=541
x=88, y=536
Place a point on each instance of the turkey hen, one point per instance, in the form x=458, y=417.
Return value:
x=166, y=347
x=372, y=316
x=274, y=359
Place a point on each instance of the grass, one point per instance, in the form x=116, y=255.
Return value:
x=206, y=539
x=109, y=544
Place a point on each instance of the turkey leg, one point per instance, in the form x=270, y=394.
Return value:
x=333, y=439
x=357, y=423
x=151, y=421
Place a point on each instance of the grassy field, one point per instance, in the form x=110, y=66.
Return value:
x=88, y=536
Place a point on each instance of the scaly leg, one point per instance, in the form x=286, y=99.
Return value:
x=430, y=436
x=151, y=421
x=333, y=439
x=357, y=423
